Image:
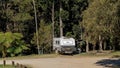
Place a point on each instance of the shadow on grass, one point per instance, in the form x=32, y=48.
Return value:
x=110, y=63
x=116, y=56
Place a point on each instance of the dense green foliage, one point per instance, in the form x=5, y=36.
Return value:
x=94, y=22
x=101, y=22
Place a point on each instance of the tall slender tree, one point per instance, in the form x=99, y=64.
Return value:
x=97, y=23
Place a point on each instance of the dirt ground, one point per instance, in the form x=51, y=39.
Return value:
x=68, y=62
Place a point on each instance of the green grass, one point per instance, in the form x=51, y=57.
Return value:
x=7, y=66
x=32, y=56
x=114, y=54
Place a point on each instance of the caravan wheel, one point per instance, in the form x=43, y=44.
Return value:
x=56, y=51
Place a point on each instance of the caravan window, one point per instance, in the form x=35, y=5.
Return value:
x=57, y=42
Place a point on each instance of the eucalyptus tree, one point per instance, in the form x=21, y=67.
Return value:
x=44, y=38
x=115, y=28
x=99, y=20
x=67, y=14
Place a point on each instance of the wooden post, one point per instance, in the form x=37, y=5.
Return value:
x=21, y=66
x=13, y=63
x=17, y=65
x=4, y=62
x=25, y=67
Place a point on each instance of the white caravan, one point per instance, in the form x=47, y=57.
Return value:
x=64, y=45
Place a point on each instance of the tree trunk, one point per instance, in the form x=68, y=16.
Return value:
x=113, y=47
x=113, y=43
x=94, y=47
x=60, y=19
x=53, y=22
x=53, y=19
x=100, y=43
x=4, y=52
x=15, y=28
x=8, y=26
x=104, y=46
x=36, y=22
x=87, y=46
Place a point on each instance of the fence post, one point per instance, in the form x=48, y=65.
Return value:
x=13, y=63
x=17, y=65
x=4, y=62
x=25, y=67
x=22, y=66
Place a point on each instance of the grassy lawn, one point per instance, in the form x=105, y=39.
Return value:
x=112, y=54
x=32, y=56
x=7, y=66
x=115, y=54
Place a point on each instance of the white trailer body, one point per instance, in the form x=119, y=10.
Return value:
x=64, y=45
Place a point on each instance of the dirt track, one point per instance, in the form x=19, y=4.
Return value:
x=62, y=62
